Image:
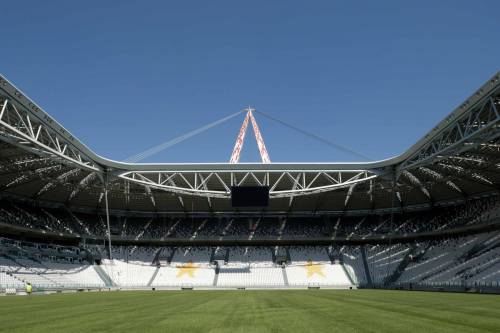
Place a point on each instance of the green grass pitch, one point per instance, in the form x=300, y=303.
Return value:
x=252, y=311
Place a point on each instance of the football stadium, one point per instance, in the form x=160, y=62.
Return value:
x=92, y=242
x=316, y=234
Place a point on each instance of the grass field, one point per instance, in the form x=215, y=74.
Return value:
x=252, y=311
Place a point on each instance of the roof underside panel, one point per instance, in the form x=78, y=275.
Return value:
x=42, y=161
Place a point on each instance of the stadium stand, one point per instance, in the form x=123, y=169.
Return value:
x=441, y=260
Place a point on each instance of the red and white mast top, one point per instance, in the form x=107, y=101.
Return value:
x=238, y=146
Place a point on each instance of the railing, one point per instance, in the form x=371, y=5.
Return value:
x=437, y=285
x=51, y=287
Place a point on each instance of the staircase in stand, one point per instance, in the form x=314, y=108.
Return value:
x=171, y=256
x=330, y=256
x=156, y=259
x=348, y=274
x=108, y=282
x=288, y=257
x=285, y=277
x=216, y=277
x=154, y=276
x=273, y=255
x=365, y=265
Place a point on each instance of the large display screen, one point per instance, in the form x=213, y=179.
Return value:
x=250, y=196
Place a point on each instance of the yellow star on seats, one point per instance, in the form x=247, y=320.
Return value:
x=189, y=268
x=314, y=269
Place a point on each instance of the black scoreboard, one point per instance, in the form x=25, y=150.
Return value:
x=250, y=196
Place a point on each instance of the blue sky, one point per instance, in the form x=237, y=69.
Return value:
x=374, y=76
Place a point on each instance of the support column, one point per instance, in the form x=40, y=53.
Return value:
x=106, y=183
x=393, y=207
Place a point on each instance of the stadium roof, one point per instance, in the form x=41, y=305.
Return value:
x=459, y=158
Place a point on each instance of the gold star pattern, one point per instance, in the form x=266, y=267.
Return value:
x=314, y=269
x=189, y=268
